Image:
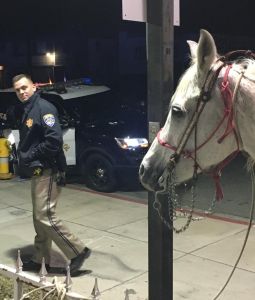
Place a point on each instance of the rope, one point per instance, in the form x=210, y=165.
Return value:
x=57, y=288
x=245, y=239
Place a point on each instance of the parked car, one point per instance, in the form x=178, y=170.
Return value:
x=104, y=139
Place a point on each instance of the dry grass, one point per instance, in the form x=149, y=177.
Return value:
x=6, y=290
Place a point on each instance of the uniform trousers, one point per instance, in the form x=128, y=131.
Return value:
x=48, y=226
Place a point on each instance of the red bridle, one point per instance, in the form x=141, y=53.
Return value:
x=227, y=97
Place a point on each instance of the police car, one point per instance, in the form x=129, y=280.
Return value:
x=104, y=139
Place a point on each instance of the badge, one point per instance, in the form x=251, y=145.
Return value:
x=49, y=119
x=37, y=171
x=29, y=123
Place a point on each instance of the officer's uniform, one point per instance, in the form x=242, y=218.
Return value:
x=41, y=152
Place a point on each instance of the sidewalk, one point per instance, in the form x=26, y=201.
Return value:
x=204, y=257
x=116, y=231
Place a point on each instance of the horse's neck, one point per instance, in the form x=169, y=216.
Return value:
x=245, y=114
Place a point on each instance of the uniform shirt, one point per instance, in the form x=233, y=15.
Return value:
x=41, y=138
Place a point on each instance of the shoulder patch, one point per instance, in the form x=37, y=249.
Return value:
x=49, y=119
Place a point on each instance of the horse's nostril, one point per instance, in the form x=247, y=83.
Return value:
x=141, y=170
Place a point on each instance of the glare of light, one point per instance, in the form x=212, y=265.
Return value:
x=51, y=57
x=1, y=68
x=132, y=142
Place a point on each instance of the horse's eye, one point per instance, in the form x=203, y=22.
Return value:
x=177, y=112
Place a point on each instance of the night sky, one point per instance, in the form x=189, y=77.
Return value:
x=218, y=16
x=36, y=17
x=28, y=19
x=39, y=17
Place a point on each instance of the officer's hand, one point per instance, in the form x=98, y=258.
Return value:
x=27, y=160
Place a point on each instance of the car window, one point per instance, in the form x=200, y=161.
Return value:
x=86, y=108
x=11, y=107
x=65, y=118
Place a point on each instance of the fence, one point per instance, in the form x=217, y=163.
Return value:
x=62, y=290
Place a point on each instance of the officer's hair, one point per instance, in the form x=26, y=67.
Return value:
x=20, y=76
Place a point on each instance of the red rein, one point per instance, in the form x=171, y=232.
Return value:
x=227, y=97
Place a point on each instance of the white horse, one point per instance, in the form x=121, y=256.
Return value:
x=211, y=117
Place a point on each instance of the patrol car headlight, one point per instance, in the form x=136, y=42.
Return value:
x=129, y=143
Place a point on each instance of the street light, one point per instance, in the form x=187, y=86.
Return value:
x=51, y=56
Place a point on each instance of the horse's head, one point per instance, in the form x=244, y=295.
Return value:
x=202, y=144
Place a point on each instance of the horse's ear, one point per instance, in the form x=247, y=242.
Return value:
x=193, y=49
x=206, y=51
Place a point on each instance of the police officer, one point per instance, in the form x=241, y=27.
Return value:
x=40, y=151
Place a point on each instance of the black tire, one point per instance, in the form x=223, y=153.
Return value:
x=99, y=174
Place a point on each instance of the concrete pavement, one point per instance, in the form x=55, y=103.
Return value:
x=116, y=231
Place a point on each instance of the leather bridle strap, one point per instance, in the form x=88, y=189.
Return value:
x=210, y=81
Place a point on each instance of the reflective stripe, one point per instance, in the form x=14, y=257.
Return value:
x=53, y=222
x=4, y=160
x=4, y=165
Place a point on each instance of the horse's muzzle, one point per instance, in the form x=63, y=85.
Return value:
x=150, y=179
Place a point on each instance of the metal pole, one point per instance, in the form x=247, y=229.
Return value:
x=160, y=41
